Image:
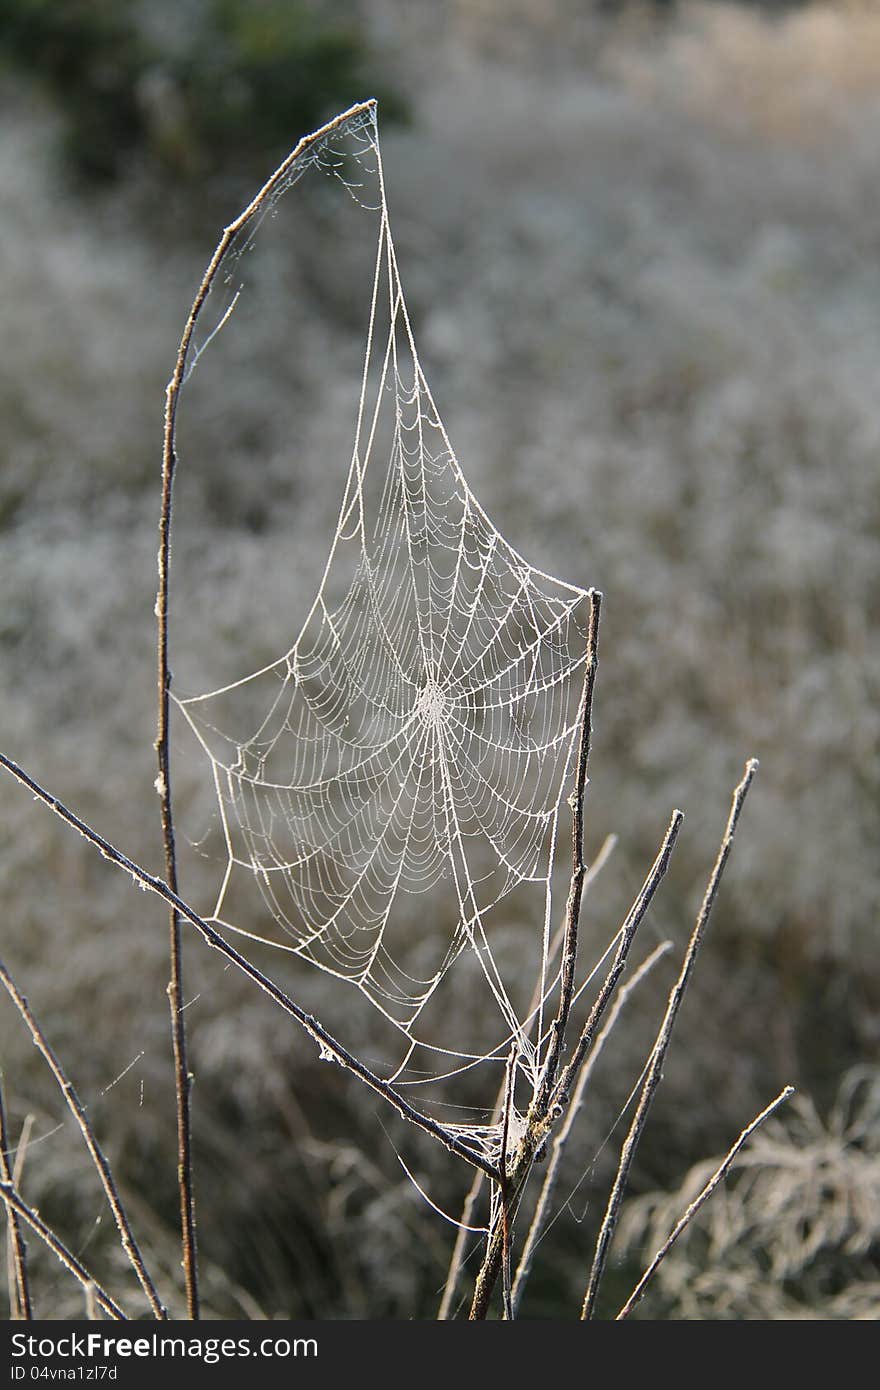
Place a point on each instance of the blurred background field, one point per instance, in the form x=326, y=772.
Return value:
x=641, y=246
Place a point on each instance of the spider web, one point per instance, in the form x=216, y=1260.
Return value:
x=394, y=778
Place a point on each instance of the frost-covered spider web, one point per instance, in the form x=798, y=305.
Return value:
x=399, y=781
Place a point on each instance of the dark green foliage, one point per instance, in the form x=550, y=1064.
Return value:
x=193, y=91
x=90, y=57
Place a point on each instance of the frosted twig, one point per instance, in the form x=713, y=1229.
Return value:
x=12, y=1199
x=77, y=1110
x=579, y=868
x=633, y=921
x=605, y=850
x=718, y=1176
x=218, y=943
x=183, y=1079
x=542, y=1210
x=509, y=1084
x=19, y=1288
x=658, y=1054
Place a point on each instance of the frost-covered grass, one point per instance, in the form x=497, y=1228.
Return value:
x=644, y=275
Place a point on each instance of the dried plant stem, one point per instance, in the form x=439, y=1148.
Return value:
x=505, y=1214
x=545, y=1112
x=183, y=1091
x=77, y=1110
x=658, y=1054
x=12, y=1199
x=213, y=939
x=182, y=1074
x=633, y=921
x=183, y=1079
x=542, y=1210
x=19, y=1288
x=578, y=867
x=718, y=1176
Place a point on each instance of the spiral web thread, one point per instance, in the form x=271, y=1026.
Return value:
x=418, y=733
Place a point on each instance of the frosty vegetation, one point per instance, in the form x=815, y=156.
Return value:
x=641, y=263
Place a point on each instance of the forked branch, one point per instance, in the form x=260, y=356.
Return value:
x=541, y=1215
x=473, y=1195
x=546, y=1111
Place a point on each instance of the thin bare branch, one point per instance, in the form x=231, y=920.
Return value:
x=658, y=1054
x=578, y=867
x=13, y=1199
x=605, y=851
x=77, y=1110
x=19, y=1288
x=718, y=1176
x=509, y=1084
x=542, y=1209
x=183, y=1079
x=316, y=1031
x=633, y=921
